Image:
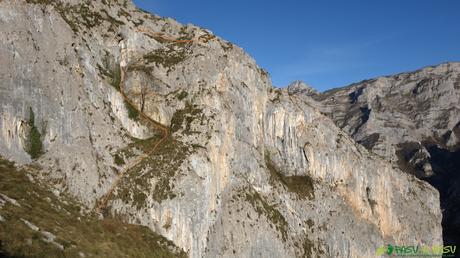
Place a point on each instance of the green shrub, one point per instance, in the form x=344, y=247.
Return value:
x=132, y=111
x=116, y=77
x=163, y=165
x=166, y=58
x=34, y=145
x=185, y=117
x=262, y=207
x=182, y=95
x=302, y=186
x=118, y=160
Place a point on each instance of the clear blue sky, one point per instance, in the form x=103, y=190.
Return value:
x=328, y=43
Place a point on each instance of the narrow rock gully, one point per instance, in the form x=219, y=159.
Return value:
x=103, y=202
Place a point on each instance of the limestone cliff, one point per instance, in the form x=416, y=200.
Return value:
x=89, y=89
x=413, y=121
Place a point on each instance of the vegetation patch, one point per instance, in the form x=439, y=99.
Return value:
x=263, y=72
x=116, y=77
x=308, y=247
x=119, y=161
x=137, y=145
x=310, y=223
x=141, y=68
x=183, y=118
x=182, y=95
x=182, y=41
x=166, y=57
x=205, y=38
x=124, y=13
x=226, y=46
x=34, y=145
x=75, y=234
x=312, y=249
x=261, y=206
x=132, y=111
x=155, y=174
x=82, y=15
x=277, y=93
x=111, y=70
x=302, y=186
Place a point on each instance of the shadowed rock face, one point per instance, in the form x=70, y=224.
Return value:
x=446, y=178
x=247, y=171
x=413, y=121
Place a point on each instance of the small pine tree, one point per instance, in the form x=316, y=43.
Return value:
x=34, y=142
x=31, y=117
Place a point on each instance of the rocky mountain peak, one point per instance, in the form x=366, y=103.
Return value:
x=412, y=120
x=300, y=87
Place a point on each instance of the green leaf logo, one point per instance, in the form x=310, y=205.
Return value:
x=390, y=250
x=380, y=251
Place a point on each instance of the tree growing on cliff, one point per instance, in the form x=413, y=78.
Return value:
x=34, y=140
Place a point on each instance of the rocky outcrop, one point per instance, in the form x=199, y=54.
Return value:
x=299, y=87
x=412, y=120
x=247, y=170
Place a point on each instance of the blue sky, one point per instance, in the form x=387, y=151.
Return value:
x=328, y=43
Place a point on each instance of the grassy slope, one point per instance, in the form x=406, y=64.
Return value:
x=77, y=234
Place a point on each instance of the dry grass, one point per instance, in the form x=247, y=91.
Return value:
x=162, y=165
x=75, y=232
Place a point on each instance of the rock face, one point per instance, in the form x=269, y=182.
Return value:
x=412, y=120
x=247, y=170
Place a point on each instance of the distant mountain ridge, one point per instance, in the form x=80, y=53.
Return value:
x=412, y=120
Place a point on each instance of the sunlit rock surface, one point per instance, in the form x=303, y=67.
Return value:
x=247, y=170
